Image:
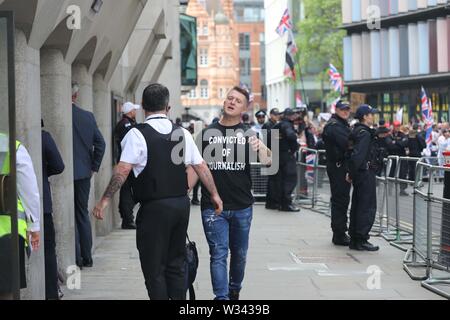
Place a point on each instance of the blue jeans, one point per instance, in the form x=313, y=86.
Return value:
x=228, y=230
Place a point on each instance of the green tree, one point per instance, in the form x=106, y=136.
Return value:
x=320, y=40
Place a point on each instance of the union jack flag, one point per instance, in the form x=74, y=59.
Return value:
x=309, y=172
x=285, y=23
x=291, y=50
x=298, y=100
x=427, y=116
x=336, y=79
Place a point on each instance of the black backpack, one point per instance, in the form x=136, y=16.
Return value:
x=191, y=266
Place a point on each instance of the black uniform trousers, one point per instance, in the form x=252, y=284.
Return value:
x=51, y=270
x=412, y=170
x=340, y=198
x=364, y=205
x=161, y=242
x=126, y=202
x=288, y=178
x=83, y=229
x=273, y=196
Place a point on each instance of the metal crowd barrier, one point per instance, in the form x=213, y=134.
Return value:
x=431, y=231
x=313, y=187
x=399, y=207
x=380, y=225
x=259, y=181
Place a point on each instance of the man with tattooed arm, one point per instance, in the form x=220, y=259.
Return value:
x=163, y=158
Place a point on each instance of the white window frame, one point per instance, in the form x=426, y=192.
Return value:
x=193, y=94
x=204, y=93
x=203, y=57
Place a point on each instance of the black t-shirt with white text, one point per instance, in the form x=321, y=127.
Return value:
x=231, y=167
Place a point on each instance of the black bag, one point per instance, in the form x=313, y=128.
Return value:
x=191, y=266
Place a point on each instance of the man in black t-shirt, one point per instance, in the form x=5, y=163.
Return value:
x=228, y=147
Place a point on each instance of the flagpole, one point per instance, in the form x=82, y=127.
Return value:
x=302, y=85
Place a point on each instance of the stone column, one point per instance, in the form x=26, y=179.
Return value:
x=102, y=112
x=57, y=114
x=28, y=131
x=86, y=101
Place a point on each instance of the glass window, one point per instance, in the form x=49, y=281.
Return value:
x=204, y=92
x=244, y=41
x=192, y=94
x=244, y=66
x=203, y=57
x=188, y=48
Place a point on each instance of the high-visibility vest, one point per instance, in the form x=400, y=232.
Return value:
x=5, y=220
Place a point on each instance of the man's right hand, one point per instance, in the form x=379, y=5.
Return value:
x=100, y=208
x=218, y=204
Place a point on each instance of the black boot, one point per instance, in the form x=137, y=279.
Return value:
x=233, y=295
x=289, y=208
x=128, y=225
x=362, y=245
x=341, y=240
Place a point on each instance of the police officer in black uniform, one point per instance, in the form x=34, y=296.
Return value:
x=335, y=136
x=287, y=174
x=272, y=185
x=398, y=148
x=273, y=120
x=126, y=202
x=382, y=143
x=416, y=144
x=362, y=174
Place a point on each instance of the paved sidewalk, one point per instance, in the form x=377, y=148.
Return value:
x=290, y=258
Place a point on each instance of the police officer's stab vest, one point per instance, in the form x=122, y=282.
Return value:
x=5, y=220
x=371, y=157
x=334, y=153
x=285, y=145
x=161, y=177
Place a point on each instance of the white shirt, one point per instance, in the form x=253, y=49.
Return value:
x=434, y=136
x=27, y=188
x=134, y=146
x=442, y=143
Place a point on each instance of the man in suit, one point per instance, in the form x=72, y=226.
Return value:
x=88, y=150
x=52, y=164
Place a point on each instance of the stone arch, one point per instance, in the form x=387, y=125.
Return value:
x=103, y=67
x=60, y=38
x=86, y=54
